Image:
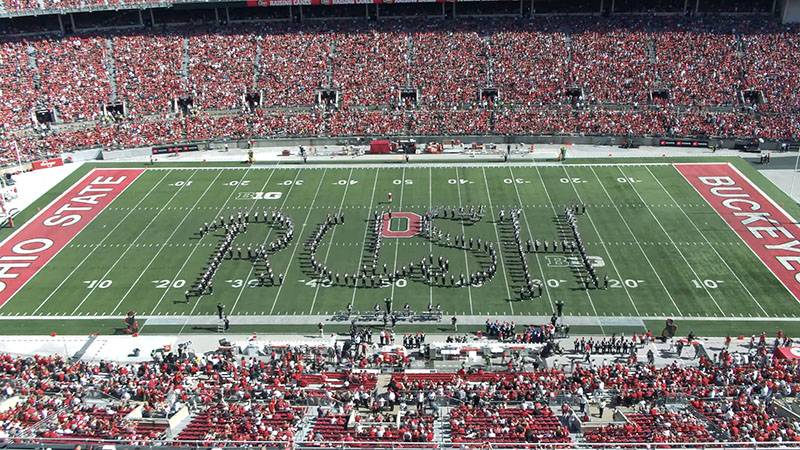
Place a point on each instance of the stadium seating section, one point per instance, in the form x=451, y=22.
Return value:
x=725, y=76
x=290, y=397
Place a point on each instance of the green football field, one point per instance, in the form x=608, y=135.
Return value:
x=666, y=252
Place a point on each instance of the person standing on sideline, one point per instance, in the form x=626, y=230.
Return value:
x=321, y=327
x=390, y=197
x=220, y=309
x=601, y=407
x=227, y=323
x=454, y=321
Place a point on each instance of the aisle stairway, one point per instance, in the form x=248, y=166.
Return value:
x=111, y=67
x=185, y=62
x=441, y=426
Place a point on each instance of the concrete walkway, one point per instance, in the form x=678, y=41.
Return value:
x=121, y=348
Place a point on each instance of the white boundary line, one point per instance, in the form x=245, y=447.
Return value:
x=300, y=234
x=422, y=164
x=196, y=246
x=464, y=232
x=769, y=199
x=330, y=242
x=430, y=243
x=366, y=232
x=397, y=241
x=266, y=238
x=671, y=241
x=638, y=243
x=555, y=214
x=706, y=239
x=305, y=319
x=76, y=235
x=602, y=243
x=499, y=242
x=162, y=247
x=530, y=234
x=129, y=247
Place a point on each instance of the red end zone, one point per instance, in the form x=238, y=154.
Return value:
x=763, y=225
x=31, y=247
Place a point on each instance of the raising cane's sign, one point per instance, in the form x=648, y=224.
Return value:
x=763, y=225
x=47, y=163
x=34, y=244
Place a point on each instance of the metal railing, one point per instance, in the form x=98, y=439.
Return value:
x=153, y=444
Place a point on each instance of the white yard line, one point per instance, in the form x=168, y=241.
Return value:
x=330, y=242
x=555, y=213
x=672, y=241
x=602, y=243
x=464, y=233
x=430, y=243
x=99, y=244
x=299, y=238
x=266, y=238
x=366, y=232
x=636, y=240
x=499, y=243
x=707, y=242
x=197, y=245
x=127, y=249
x=163, y=246
x=397, y=240
x=528, y=227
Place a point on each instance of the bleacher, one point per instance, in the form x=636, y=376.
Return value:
x=279, y=401
x=592, y=76
x=249, y=422
x=538, y=424
x=653, y=427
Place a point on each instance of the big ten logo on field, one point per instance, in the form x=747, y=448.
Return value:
x=259, y=195
x=572, y=261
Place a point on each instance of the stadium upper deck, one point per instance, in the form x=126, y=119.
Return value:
x=16, y=8
x=624, y=75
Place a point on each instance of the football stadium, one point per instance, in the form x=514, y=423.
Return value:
x=299, y=224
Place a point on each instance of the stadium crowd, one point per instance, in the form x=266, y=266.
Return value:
x=625, y=76
x=377, y=55
x=266, y=398
x=148, y=88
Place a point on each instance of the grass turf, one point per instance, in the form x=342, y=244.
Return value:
x=662, y=246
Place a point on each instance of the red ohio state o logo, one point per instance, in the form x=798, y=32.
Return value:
x=413, y=225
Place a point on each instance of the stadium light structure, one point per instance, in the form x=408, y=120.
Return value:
x=16, y=151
